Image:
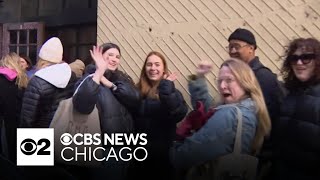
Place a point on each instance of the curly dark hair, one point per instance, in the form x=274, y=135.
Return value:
x=307, y=45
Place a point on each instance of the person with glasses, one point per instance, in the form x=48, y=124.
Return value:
x=239, y=87
x=242, y=45
x=297, y=131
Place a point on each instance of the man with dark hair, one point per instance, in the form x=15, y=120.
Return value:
x=242, y=45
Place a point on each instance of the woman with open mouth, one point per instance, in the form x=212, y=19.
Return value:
x=239, y=90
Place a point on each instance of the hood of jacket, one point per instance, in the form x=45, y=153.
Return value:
x=10, y=74
x=57, y=74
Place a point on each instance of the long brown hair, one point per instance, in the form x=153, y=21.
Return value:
x=144, y=85
x=11, y=61
x=249, y=83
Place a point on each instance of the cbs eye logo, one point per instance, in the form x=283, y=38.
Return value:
x=29, y=146
x=35, y=146
x=66, y=139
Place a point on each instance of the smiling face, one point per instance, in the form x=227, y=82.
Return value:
x=112, y=56
x=241, y=50
x=229, y=87
x=154, y=68
x=303, y=64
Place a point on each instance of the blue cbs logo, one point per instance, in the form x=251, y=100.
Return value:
x=35, y=147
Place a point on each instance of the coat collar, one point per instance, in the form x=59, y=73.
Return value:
x=255, y=63
x=247, y=103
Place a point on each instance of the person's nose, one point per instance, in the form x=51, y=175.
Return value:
x=153, y=67
x=299, y=62
x=223, y=84
x=232, y=50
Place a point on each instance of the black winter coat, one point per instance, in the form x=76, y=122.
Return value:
x=297, y=131
x=158, y=118
x=268, y=82
x=10, y=108
x=10, y=100
x=41, y=101
x=114, y=106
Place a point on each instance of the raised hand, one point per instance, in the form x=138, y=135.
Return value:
x=171, y=77
x=203, y=68
x=101, y=63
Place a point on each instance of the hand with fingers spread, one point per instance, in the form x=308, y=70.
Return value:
x=101, y=63
x=171, y=77
x=203, y=68
x=96, y=54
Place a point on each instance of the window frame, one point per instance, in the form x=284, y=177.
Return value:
x=7, y=27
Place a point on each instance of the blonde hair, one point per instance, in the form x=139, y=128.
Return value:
x=43, y=63
x=12, y=61
x=249, y=83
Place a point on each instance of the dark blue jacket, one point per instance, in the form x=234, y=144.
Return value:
x=271, y=90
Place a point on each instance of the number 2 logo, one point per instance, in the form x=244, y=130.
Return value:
x=29, y=146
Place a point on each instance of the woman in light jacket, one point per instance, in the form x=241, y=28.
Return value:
x=237, y=86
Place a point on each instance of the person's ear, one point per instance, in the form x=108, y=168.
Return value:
x=251, y=47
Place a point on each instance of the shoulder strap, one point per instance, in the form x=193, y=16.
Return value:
x=75, y=92
x=237, y=142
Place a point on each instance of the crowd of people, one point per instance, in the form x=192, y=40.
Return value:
x=280, y=121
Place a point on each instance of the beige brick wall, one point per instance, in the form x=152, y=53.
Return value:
x=187, y=31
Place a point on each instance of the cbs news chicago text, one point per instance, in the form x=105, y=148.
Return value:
x=39, y=146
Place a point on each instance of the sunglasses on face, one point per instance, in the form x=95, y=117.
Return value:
x=305, y=58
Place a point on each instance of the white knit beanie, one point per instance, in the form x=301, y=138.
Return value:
x=52, y=50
